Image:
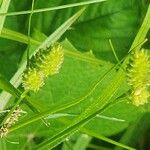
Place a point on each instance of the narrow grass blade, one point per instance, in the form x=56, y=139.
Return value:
x=5, y=85
x=53, y=8
x=114, y=52
x=103, y=138
x=3, y=9
x=16, y=36
x=142, y=31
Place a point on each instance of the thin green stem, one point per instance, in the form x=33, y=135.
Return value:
x=143, y=30
x=84, y=57
x=29, y=31
x=52, y=8
x=114, y=52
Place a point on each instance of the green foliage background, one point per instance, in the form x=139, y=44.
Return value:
x=118, y=20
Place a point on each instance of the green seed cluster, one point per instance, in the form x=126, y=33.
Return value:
x=139, y=77
x=46, y=62
x=32, y=80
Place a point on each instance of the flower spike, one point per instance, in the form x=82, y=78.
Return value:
x=139, y=77
x=46, y=62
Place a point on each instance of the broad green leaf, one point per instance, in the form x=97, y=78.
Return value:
x=117, y=20
x=46, y=97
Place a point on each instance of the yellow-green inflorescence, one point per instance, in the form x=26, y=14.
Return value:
x=32, y=79
x=46, y=62
x=51, y=62
x=139, y=77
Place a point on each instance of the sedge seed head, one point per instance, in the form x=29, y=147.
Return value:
x=140, y=96
x=139, y=77
x=51, y=61
x=32, y=80
x=46, y=62
x=139, y=71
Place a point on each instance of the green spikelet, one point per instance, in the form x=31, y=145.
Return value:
x=46, y=62
x=50, y=63
x=32, y=80
x=139, y=77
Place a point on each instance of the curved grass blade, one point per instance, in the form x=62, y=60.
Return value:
x=103, y=138
x=52, y=8
x=3, y=9
x=142, y=31
x=16, y=36
x=5, y=85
